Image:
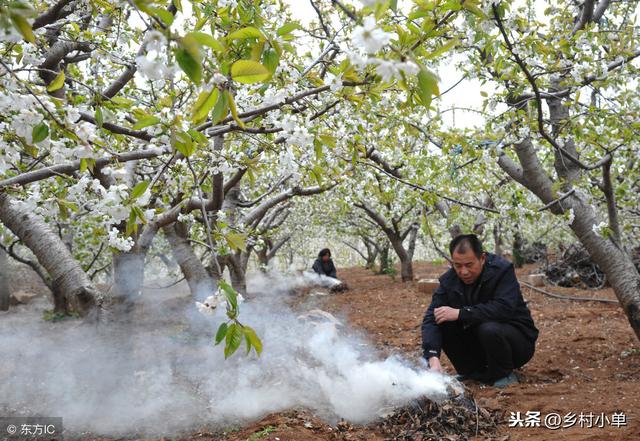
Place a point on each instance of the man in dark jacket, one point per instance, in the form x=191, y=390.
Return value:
x=478, y=317
x=324, y=265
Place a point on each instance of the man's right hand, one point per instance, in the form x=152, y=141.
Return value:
x=434, y=364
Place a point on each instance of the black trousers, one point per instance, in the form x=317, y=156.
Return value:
x=493, y=349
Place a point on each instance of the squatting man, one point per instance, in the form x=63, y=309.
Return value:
x=478, y=317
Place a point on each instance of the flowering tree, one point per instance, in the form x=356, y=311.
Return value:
x=562, y=121
x=202, y=122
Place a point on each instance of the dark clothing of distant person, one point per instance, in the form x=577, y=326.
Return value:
x=494, y=333
x=324, y=268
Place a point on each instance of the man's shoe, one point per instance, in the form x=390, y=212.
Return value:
x=505, y=381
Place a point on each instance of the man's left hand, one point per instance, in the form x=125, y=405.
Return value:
x=446, y=314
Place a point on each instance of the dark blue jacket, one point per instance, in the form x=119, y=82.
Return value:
x=324, y=268
x=497, y=298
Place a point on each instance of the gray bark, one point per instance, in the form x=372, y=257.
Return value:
x=201, y=284
x=68, y=277
x=128, y=275
x=4, y=281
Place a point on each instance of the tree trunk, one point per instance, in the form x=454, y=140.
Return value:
x=68, y=277
x=516, y=251
x=372, y=256
x=617, y=264
x=4, y=281
x=238, y=272
x=384, y=259
x=406, y=264
x=497, y=239
x=201, y=284
x=406, y=270
x=128, y=276
x=263, y=259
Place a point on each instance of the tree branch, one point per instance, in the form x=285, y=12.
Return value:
x=69, y=169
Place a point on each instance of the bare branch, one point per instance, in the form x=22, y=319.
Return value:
x=69, y=169
x=52, y=14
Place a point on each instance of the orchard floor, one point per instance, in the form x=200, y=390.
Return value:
x=587, y=360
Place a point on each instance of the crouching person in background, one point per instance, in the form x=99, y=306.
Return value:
x=324, y=267
x=478, y=317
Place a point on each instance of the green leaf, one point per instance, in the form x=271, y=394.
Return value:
x=253, y=338
x=230, y=293
x=427, y=86
x=57, y=82
x=328, y=140
x=221, y=109
x=245, y=33
x=207, y=40
x=472, y=6
x=184, y=144
x=204, y=104
x=287, y=28
x=147, y=121
x=139, y=189
x=39, y=132
x=139, y=213
x=99, y=117
x=236, y=241
x=233, y=339
x=189, y=58
x=270, y=59
x=232, y=107
x=222, y=332
x=164, y=15
x=249, y=72
x=23, y=26
x=442, y=49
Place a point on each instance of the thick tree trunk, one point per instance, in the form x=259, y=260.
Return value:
x=201, y=284
x=68, y=277
x=4, y=281
x=128, y=275
x=406, y=270
x=406, y=263
x=614, y=261
x=617, y=264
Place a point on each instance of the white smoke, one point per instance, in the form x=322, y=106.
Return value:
x=162, y=373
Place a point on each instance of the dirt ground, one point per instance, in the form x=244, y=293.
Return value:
x=587, y=361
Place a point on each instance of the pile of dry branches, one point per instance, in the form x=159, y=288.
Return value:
x=573, y=267
x=424, y=420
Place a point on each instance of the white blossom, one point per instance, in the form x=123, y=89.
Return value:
x=334, y=82
x=120, y=243
x=153, y=67
x=599, y=229
x=370, y=37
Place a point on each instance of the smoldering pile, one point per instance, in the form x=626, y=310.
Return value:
x=573, y=267
x=459, y=418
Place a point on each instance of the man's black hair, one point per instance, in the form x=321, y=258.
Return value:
x=463, y=242
x=324, y=252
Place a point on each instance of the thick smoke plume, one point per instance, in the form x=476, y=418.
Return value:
x=160, y=372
